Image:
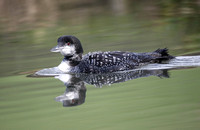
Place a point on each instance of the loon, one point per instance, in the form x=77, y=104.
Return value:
x=102, y=62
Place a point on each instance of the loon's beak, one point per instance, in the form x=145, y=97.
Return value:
x=55, y=49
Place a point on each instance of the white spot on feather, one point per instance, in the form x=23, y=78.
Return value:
x=114, y=59
x=106, y=56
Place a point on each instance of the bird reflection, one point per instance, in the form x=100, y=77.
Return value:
x=75, y=92
x=100, y=80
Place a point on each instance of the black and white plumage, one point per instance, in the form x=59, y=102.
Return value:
x=111, y=78
x=102, y=62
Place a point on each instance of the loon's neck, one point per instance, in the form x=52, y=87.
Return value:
x=69, y=62
x=73, y=59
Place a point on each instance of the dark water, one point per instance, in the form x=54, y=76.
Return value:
x=163, y=97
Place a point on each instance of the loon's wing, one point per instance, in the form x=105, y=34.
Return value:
x=103, y=62
x=101, y=59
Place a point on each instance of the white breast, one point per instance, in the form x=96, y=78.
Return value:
x=65, y=66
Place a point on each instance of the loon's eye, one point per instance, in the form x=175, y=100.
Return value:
x=68, y=43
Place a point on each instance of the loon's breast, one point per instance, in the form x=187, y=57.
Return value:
x=102, y=62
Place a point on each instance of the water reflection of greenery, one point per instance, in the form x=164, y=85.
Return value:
x=172, y=24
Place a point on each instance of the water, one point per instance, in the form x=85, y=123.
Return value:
x=75, y=92
x=151, y=98
x=157, y=102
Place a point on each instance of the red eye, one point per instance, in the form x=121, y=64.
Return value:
x=68, y=43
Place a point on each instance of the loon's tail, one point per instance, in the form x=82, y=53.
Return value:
x=162, y=55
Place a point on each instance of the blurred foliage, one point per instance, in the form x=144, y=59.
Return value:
x=28, y=14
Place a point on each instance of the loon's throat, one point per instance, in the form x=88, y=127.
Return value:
x=68, y=57
x=73, y=59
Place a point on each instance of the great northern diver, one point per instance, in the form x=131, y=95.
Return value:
x=102, y=62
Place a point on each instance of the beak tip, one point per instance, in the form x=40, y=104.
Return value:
x=55, y=49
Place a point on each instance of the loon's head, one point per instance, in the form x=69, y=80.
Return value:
x=68, y=46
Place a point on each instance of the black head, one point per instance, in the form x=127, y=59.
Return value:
x=68, y=45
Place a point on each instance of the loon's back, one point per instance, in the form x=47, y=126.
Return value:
x=104, y=62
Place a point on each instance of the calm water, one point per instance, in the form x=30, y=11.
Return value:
x=157, y=99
